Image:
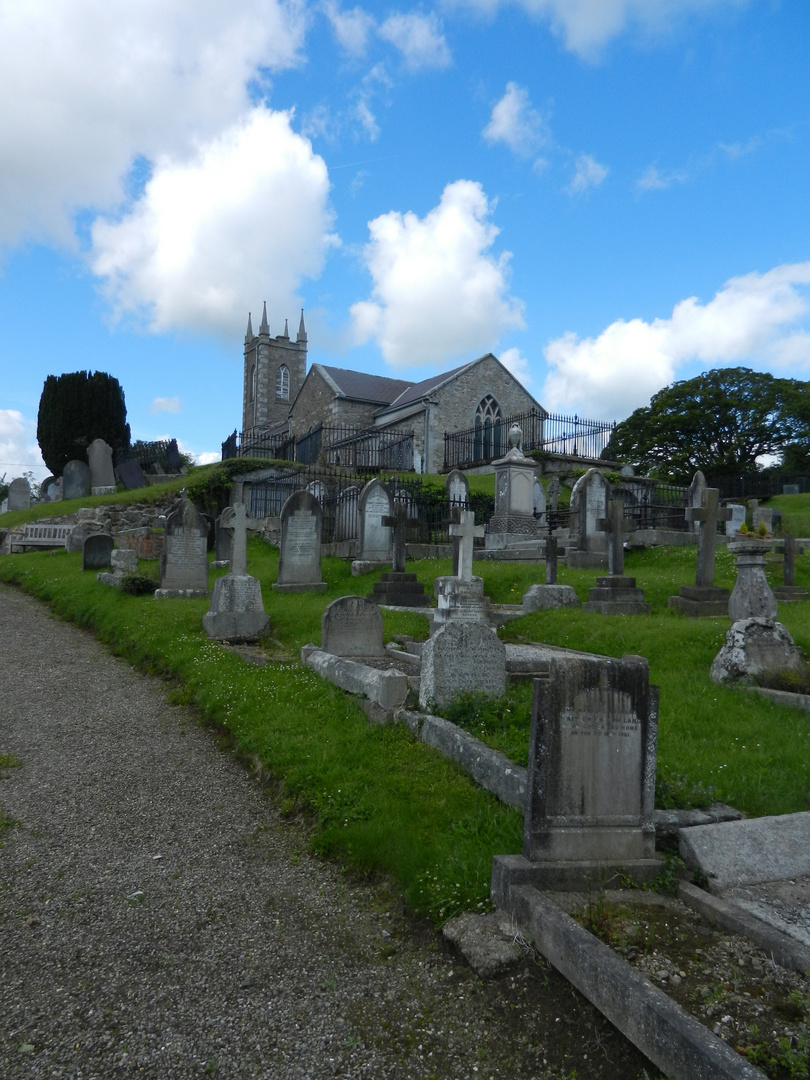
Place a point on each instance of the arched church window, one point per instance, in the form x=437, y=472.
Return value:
x=252, y=383
x=283, y=383
x=488, y=428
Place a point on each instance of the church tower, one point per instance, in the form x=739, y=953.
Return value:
x=275, y=369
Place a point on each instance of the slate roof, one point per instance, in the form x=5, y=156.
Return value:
x=358, y=386
x=417, y=391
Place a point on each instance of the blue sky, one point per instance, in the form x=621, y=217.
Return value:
x=607, y=194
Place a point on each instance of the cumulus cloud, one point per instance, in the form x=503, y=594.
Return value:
x=588, y=173
x=755, y=320
x=437, y=292
x=516, y=123
x=87, y=87
x=586, y=26
x=419, y=38
x=515, y=362
x=653, y=179
x=352, y=28
x=19, y=450
x=248, y=215
x=165, y=404
x=208, y=457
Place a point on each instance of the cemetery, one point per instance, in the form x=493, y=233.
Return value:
x=597, y=719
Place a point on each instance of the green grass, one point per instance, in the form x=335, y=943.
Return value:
x=382, y=803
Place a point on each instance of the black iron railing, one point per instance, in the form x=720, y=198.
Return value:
x=576, y=436
x=488, y=440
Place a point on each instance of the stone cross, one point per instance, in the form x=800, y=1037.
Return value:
x=615, y=525
x=399, y=521
x=707, y=517
x=791, y=549
x=238, y=521
x=554, y=493
x=466, y=531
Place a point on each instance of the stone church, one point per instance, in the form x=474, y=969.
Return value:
x=281, y=398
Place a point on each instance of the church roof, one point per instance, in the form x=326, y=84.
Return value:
x=361, y=387
x=417, y=391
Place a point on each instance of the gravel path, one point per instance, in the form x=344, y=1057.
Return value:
x=158, y=918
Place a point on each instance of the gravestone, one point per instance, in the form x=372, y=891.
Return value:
x=49, y=489
x=374, y=540
x=513, y=523
x=591, y=777
x=130, y=474
x=461, y=596
x=96, y=551
x=704, y=599
x=789, y=591
x=751, y=596
x=762, y=513
x=539, y=502
x=695, y=498
x=78, y=534
x=398, y=588
x=237, y=611
x=102, y=474
x=299, y=563
x=458, y=494
x=551, y=561
x=76, y=480
x=616, y=594
x=19, y=494
x=589, y=501
x=755, y=647
x=319, y=490
x=736, y=520
x=223, y=541
x=553, y=493
x=346, y=514
x=791, y=489
x=123, y=561
x=184, y=558
x=352, y=626
x=461, y=657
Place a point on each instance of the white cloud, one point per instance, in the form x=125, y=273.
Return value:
x=652, y=179
x=588, y=173
x=87, y=87
x=419, y=38
x=248, y=215
x=367, y=119
x=351, y=28
x=208, y=457
x=514, y=361
x=437, y=292
x=165, y=404
x=587, y=25
x=754, y=320
x=515, y=123
x=19, y=450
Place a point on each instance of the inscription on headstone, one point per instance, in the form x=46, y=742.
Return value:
x=184, y=558
x=299, y=565
x=102, y=475
x=352, y=626
x=19, y=494
x=375, y=542
x=76, y=480
x=462, y=656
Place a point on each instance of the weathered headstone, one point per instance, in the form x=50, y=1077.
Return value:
x=352, y=626
x=551, y=561
x=791, y=489
x=319, y=490
x=237, y=611
x=462, y=657
x=123, y=561
x=223, y=540
x=589, y=500
x=461, y=596
x=789, y=591
x=299, y=564
x=539, y=501
x=19, y=494
x=762, y=514
x=591, y=778
x=695, y=498
x=398, y=521
x=457, y=488
x=346, y=514
x=131, y=474
x=49, y=489
x=755, y=647
x=374, y=540
x=466, y=531
x=736, y=520
x=96, y=551
x=704, y=599
x=554, y=493
x=751, y=596
x=184, y=558
x=76, y=480
x=513, y=523
x=102, y=474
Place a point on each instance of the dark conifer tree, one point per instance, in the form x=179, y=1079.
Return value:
x=76, y=408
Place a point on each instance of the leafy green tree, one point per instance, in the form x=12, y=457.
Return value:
x=722, y=422
x=76, y=408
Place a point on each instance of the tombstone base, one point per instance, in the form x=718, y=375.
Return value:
x=237, y=611
x=300, y=586
x=399, y=589
x=540, y=597
x=586, y=560
x=700, y=601
x=105, y=490
x=113, y=578
x=789, y=593
x=509, y=871
x=181, y=594
x=365, y=566
x=616, y=594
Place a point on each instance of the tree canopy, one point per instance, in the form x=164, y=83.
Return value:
x=75, y=409
x=721, y=422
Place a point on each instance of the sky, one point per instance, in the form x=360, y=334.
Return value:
x=610, y=195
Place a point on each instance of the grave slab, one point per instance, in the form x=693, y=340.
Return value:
x=749, y=852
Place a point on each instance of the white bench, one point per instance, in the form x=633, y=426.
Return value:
x=34, y=535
